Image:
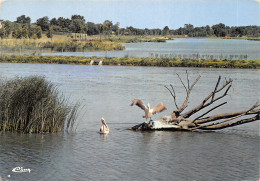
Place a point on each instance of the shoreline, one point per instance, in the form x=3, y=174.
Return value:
x=155, y=62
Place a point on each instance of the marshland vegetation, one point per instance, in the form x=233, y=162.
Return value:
x=57, y=45
x=127, y=61
x=34, y=105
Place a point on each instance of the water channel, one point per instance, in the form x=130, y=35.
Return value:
x=182, y=48
x=107, y=91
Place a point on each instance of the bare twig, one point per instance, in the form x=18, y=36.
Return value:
x=185, y=104
x=173, y=95
x=188, y=81
x=182, y=83
x=216, y=88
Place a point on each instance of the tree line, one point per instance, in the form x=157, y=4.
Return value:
x=23, y=28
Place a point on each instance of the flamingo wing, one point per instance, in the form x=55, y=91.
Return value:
x=159, y=108
x=139, y=103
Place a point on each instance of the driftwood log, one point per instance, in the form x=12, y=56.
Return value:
x=180, y=121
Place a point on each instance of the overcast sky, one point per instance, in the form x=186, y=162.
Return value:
x=140, y=13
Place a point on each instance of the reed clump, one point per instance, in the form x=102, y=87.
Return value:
x=34, y=105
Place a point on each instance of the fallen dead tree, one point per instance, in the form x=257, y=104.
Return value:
x=180, y=120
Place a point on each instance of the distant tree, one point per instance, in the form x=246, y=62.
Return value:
x=156, y=31
x=25, y=32
x=115, y=28
x=50, y=32
x=238, y=32
x=101, y=30
x=73, y=17
x=208, y=30
x=54, y=22
x=146, y=31
x=44, y=23
x=8, y=27
x=107, y=27
x=77, y=26
x=23, y=19
x=57, y=28
x=2, y=32
x=166, y=30
x=131, y=30
x=33, y=30
x=18, y=31
x=219, y=30
x=85, y=30
x=93, y=29
x=64, y=23
x=38, y=32
x=188, y=30
x=14, y=33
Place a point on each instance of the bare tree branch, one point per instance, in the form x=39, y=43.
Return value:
x=224, y=116
x=173, y=95
x=182, y=83
x=219, y=78
x=185, y=104
x=225, y=125
x=226, y=120
x=210, y=110
x=188, y=81
x=204, y=104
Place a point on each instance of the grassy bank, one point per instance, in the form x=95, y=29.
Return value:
x=139, y=39
x=58, y=45
x=161, y=62
x=34, y=105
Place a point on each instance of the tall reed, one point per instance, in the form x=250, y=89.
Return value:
x=34, y=105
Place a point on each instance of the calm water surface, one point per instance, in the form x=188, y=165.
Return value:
x=188, y=47
x=106, y=91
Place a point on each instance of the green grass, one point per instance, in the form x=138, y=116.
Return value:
x=34, y=105
x=126, y=61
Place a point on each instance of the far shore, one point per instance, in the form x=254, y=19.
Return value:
x=127, y=61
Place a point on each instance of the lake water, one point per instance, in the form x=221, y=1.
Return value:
x=107, y=91
x=183, y=48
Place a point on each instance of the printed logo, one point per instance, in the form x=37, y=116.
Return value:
x=21, y=170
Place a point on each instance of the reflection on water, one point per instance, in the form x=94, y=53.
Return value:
x=106, y=91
